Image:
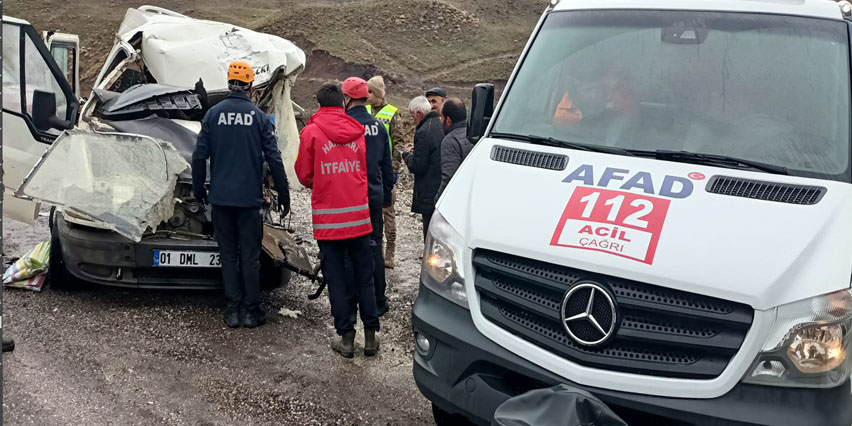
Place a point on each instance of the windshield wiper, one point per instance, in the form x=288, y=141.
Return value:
x=541, y=140
x=717, y=160
x=549, y=141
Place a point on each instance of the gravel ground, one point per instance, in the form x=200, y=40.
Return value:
x=104, y=356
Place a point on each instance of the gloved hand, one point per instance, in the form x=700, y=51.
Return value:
x=395, y=178
x=201, y=197
x=284, y=205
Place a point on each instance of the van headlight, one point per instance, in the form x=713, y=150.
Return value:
x=809, y=344
x=442, y=261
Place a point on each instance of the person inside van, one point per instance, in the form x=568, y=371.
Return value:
x=605, y=94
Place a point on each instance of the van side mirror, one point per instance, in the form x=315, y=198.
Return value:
x=44, y=112
x=481, y=110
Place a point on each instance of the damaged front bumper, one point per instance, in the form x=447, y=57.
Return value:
x=105, y=257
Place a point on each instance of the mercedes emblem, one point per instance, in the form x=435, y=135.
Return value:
x=588, y=314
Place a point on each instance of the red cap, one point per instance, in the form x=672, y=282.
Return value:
x=356, y=88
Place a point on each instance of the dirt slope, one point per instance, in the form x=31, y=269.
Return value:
x=415, y=43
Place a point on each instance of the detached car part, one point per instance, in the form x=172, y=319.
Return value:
x=122, y=182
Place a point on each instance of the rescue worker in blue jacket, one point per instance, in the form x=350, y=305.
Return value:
x=379, y=176
x=237, y=137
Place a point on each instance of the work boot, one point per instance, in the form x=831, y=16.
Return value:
x=390, y=248
x=371, y=343
x=254, y=318
x=232, y=319
x=345, y=344
x=8, y=344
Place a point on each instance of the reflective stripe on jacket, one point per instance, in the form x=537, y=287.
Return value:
x=332, y=162
x=385, y=115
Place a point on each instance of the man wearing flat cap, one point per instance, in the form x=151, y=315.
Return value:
x=436, y=97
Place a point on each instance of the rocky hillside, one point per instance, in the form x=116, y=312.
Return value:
x=414, y=43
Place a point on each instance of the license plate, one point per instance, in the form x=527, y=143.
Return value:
x=186, y=259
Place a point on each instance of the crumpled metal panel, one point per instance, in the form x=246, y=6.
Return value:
x=178, y=50
x=182, y=138
x=285, y=251
x=286, y=129
x=140, y=93
x=123, y=182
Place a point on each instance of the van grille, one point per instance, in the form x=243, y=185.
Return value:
x=524, y=157
x=769, y=191
x=660, y=331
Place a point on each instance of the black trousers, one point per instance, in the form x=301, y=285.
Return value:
x=239, y=232
x=342, y=286
x=379, y=279
x=427, y=217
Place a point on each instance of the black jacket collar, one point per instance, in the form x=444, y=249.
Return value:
x=239, y=95
x=431, y=115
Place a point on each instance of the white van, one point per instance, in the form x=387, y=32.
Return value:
x=659, y=212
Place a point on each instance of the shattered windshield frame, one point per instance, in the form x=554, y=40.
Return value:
x=122, y=182
x=767, y=88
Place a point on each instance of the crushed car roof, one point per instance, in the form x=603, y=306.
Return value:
x=178, y=50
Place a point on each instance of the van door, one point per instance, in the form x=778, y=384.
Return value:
x=28, y=67
x=65, y=49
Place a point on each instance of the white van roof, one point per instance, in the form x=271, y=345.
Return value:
x=12, y=20
x=810, y=8
x=178, y=50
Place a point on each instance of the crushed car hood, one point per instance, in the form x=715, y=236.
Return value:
x=178, y=50
x=150, y=97
x=121, y=182
x=180, y=137
x=669, y=229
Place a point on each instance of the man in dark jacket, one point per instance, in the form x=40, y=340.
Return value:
x=425, y=159
x=379, y=176
x=436, y=97
x=237, y=137
x=455, y=146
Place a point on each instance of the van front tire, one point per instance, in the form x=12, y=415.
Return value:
x=443, y=418
x=273, y=277
x=57, y=274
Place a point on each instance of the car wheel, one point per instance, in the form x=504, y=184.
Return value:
x=57, y=273
x=271, y=276
x=443, y=418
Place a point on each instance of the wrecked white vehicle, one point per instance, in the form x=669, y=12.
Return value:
x=120, y=178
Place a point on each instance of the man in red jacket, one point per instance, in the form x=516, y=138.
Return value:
x=332, y=162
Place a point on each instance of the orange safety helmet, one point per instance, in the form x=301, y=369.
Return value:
x=241, y=71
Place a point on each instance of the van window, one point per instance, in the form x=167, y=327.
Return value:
x=773, y=89
x=65, y=55
x=11, y=68
x=38, y=77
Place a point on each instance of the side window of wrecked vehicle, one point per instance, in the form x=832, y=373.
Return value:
x=128, y=79
x=11, y=68
x=66, y=56
x=37, y=76
x=129, y=76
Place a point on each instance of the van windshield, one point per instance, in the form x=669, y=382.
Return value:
x=767, y=89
